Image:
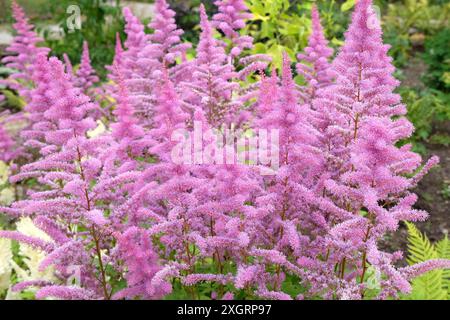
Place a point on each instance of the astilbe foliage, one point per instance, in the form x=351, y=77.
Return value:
x=119, y=208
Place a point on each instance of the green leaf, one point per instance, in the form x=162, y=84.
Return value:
x=13, y=100
x=443, y=251
x=420, y=248
x=347, y=5
x=431, y=285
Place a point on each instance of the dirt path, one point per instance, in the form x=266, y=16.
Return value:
x=433, y=196
x=432, y=199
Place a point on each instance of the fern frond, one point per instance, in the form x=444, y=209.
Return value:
x=420, y=248
x=429, y=286
x=443, y=251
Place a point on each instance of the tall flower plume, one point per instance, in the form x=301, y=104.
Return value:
x=25, y=49
x=316, y=55
x=86, y=76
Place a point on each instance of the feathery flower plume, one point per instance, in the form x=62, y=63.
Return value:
x=314, y=66
x=212, y=86
x=134, y=44
x=25, y=50
x=230, y=20
x=86, y=77
x=166, y=35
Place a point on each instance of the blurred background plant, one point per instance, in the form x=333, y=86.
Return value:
x=101, y=20
x=408, y=23
x=429, y=111
x=283, y=25
x=437, y=57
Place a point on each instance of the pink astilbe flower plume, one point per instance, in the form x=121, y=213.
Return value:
x=25, y=50
x=166, y=35
x=118, y=61
x=68, y=165
x=230, y=20
x=168, y=115
x=165, y=46
x=300, y=163
x=110, y=89
x=126, y=125
x=368, y=170
x=136, y=248
x=129, y=136
x=212, y=87
x=68, y=66
x=314, y=66
x=134, y=44
x=86, y=76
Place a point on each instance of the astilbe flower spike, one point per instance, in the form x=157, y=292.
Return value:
x=367, y=171
x=166, y=37
x=67, y=167
x=162, y=49
x=230, y=20
x=136, y=248
x=129, y=137
x=116, y=70
x=314, y=65
x=68, y=65
x=23, y=53
x=212, y=87
x=135, y=42
x=86, y=76
x=117, y=66
x=25, y=50
x=165, y=46
x=126, y=124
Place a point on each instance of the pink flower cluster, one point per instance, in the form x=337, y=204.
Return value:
x=134, y=224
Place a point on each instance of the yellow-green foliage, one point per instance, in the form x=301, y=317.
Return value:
x=433, y=285
x=443, y=251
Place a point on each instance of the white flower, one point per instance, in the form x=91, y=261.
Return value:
x=32, y=257
x=13, y=295
x=101, y=128
x=5, y=263
x=6, y=194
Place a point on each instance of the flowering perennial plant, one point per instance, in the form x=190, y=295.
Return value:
x=123, y=220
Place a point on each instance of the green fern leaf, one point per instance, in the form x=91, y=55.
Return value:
x=443, y=251
x=429, y=286
x=420, y=248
